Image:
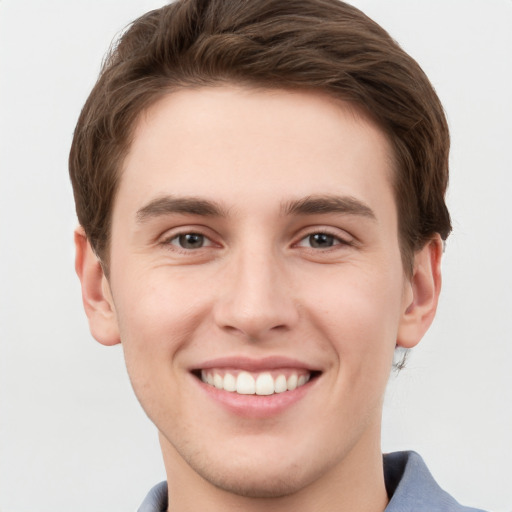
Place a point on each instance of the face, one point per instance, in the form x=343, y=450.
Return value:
x=256, y=283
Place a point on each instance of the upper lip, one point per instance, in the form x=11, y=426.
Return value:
x=255, y=364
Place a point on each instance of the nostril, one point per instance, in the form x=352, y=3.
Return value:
x=254, y=329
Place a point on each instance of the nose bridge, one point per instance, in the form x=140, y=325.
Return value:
x=258, y=297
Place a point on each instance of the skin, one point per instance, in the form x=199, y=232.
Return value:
x=260, y=286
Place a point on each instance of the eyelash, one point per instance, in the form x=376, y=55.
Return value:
x=336, y=239
x=177, y=237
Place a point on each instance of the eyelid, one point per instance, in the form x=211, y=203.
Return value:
x=174, y=233
x=208, y=242
x=341, y=236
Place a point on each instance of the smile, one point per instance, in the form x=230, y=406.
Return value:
x=261, y=383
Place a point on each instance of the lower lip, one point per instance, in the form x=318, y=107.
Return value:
x=256, y=406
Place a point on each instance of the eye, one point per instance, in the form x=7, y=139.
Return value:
x=321, y=241
x=190, y=241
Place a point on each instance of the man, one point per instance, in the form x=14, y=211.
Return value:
x=260, y=187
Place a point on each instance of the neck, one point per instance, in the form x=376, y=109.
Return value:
x=354, y=484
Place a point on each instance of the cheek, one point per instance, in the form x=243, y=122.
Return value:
x=157, y=314
x=157, y=318
x=359, y=314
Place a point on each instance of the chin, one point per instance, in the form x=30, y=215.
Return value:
x=248, y=485
x=252, y=476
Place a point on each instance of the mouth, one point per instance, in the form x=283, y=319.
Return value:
x=261, y=383
x=255, y=388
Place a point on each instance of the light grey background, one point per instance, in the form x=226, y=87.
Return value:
x=72, y=436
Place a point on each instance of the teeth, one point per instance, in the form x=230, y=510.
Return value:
x=246, y=384
x=218, y=381
x=280, y=384
x=291, y=383
x=229, y=382
x=264, y=384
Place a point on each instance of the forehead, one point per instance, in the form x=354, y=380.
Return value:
x=245, y=146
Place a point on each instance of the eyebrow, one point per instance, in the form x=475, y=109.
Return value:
x=310, y=205
x=318, y=204
x=186, y=205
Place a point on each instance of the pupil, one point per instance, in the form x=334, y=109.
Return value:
x=321, y=240
x=191, y=241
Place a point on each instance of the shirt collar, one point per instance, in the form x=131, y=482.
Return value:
x=411, y=486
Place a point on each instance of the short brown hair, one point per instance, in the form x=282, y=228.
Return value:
x=322, y=45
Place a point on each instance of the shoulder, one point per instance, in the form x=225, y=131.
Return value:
x=411, y=486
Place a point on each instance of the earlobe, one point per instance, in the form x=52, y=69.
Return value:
x=422, y=294
x=96, y=296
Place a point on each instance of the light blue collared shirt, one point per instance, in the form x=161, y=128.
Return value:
x=410, y=487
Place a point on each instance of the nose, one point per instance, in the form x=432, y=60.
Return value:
x=256, y=298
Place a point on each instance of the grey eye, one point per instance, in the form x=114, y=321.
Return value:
x=321, y=240
x=190, y=241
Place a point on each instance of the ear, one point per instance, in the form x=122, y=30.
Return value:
x=421, y=294
x=96, y=295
